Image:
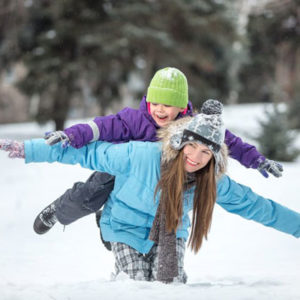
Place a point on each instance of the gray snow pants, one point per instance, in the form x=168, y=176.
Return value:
x=84, y=198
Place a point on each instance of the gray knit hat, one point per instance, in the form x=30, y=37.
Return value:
x=205, y=128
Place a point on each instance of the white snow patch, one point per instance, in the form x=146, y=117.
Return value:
x=240, y=260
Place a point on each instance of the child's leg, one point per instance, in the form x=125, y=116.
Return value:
x=128, y=260
x=84, y=198
x=180, y=251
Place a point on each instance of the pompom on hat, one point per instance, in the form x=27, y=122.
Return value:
x=168, y=86
x=205, y=128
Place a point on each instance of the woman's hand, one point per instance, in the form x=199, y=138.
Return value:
x=15, y=149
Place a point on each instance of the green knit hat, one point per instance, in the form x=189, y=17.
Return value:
x=168, y=86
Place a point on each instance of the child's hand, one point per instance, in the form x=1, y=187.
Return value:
x=55, y=137
x=15, y=149
x=271, y=166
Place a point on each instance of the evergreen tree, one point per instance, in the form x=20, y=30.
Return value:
x=273, y=37
x=99, y=43
x=294, y=110
x=275, y=139
x=51, y=45
x=12, y=17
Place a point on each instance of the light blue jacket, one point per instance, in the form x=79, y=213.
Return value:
x=130, y=209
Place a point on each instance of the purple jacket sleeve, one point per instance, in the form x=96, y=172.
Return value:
x=79, y=135
x=128, y=124
x=245, y=153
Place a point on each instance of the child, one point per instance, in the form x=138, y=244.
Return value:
x=167, y=100
x=185, y=172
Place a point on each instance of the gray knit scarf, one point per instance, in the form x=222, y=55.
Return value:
x=166, y=241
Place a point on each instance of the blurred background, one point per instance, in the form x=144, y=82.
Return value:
x=67, y=61
x=64, y=60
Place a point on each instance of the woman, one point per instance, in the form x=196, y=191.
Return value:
x=157, y=184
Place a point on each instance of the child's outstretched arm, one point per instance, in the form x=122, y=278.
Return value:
x=128, y=124
x=249, y=156
x=245, y=153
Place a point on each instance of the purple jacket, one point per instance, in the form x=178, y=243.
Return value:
x=137, y=125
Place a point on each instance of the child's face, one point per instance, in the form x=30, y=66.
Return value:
x=196, y=156
x=163, y=114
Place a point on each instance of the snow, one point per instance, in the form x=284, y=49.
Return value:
x=170, y=73
x=240, y=260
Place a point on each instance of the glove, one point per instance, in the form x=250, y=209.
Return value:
x=270, y=166
x=15, y=149
x=55, y=137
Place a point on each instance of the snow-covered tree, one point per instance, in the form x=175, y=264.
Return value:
x=275, y=140
x=70, y=44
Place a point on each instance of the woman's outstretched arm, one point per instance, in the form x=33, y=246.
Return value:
x=100, y=156
x=240, y=199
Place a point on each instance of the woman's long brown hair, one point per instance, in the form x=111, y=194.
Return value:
x=172, y=185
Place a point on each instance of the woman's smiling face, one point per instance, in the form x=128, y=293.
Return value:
x=196, y=156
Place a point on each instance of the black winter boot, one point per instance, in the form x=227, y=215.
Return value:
x=98, y=217
x=45, y=220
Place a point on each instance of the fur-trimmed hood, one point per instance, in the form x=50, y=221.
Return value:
x=174, y=132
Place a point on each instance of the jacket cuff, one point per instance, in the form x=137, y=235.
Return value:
x=255, y=164
x=95, y=130
x=79, y=135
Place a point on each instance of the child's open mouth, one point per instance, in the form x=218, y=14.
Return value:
x=162, y=117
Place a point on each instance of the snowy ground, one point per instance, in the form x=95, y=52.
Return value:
x=241, y=260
